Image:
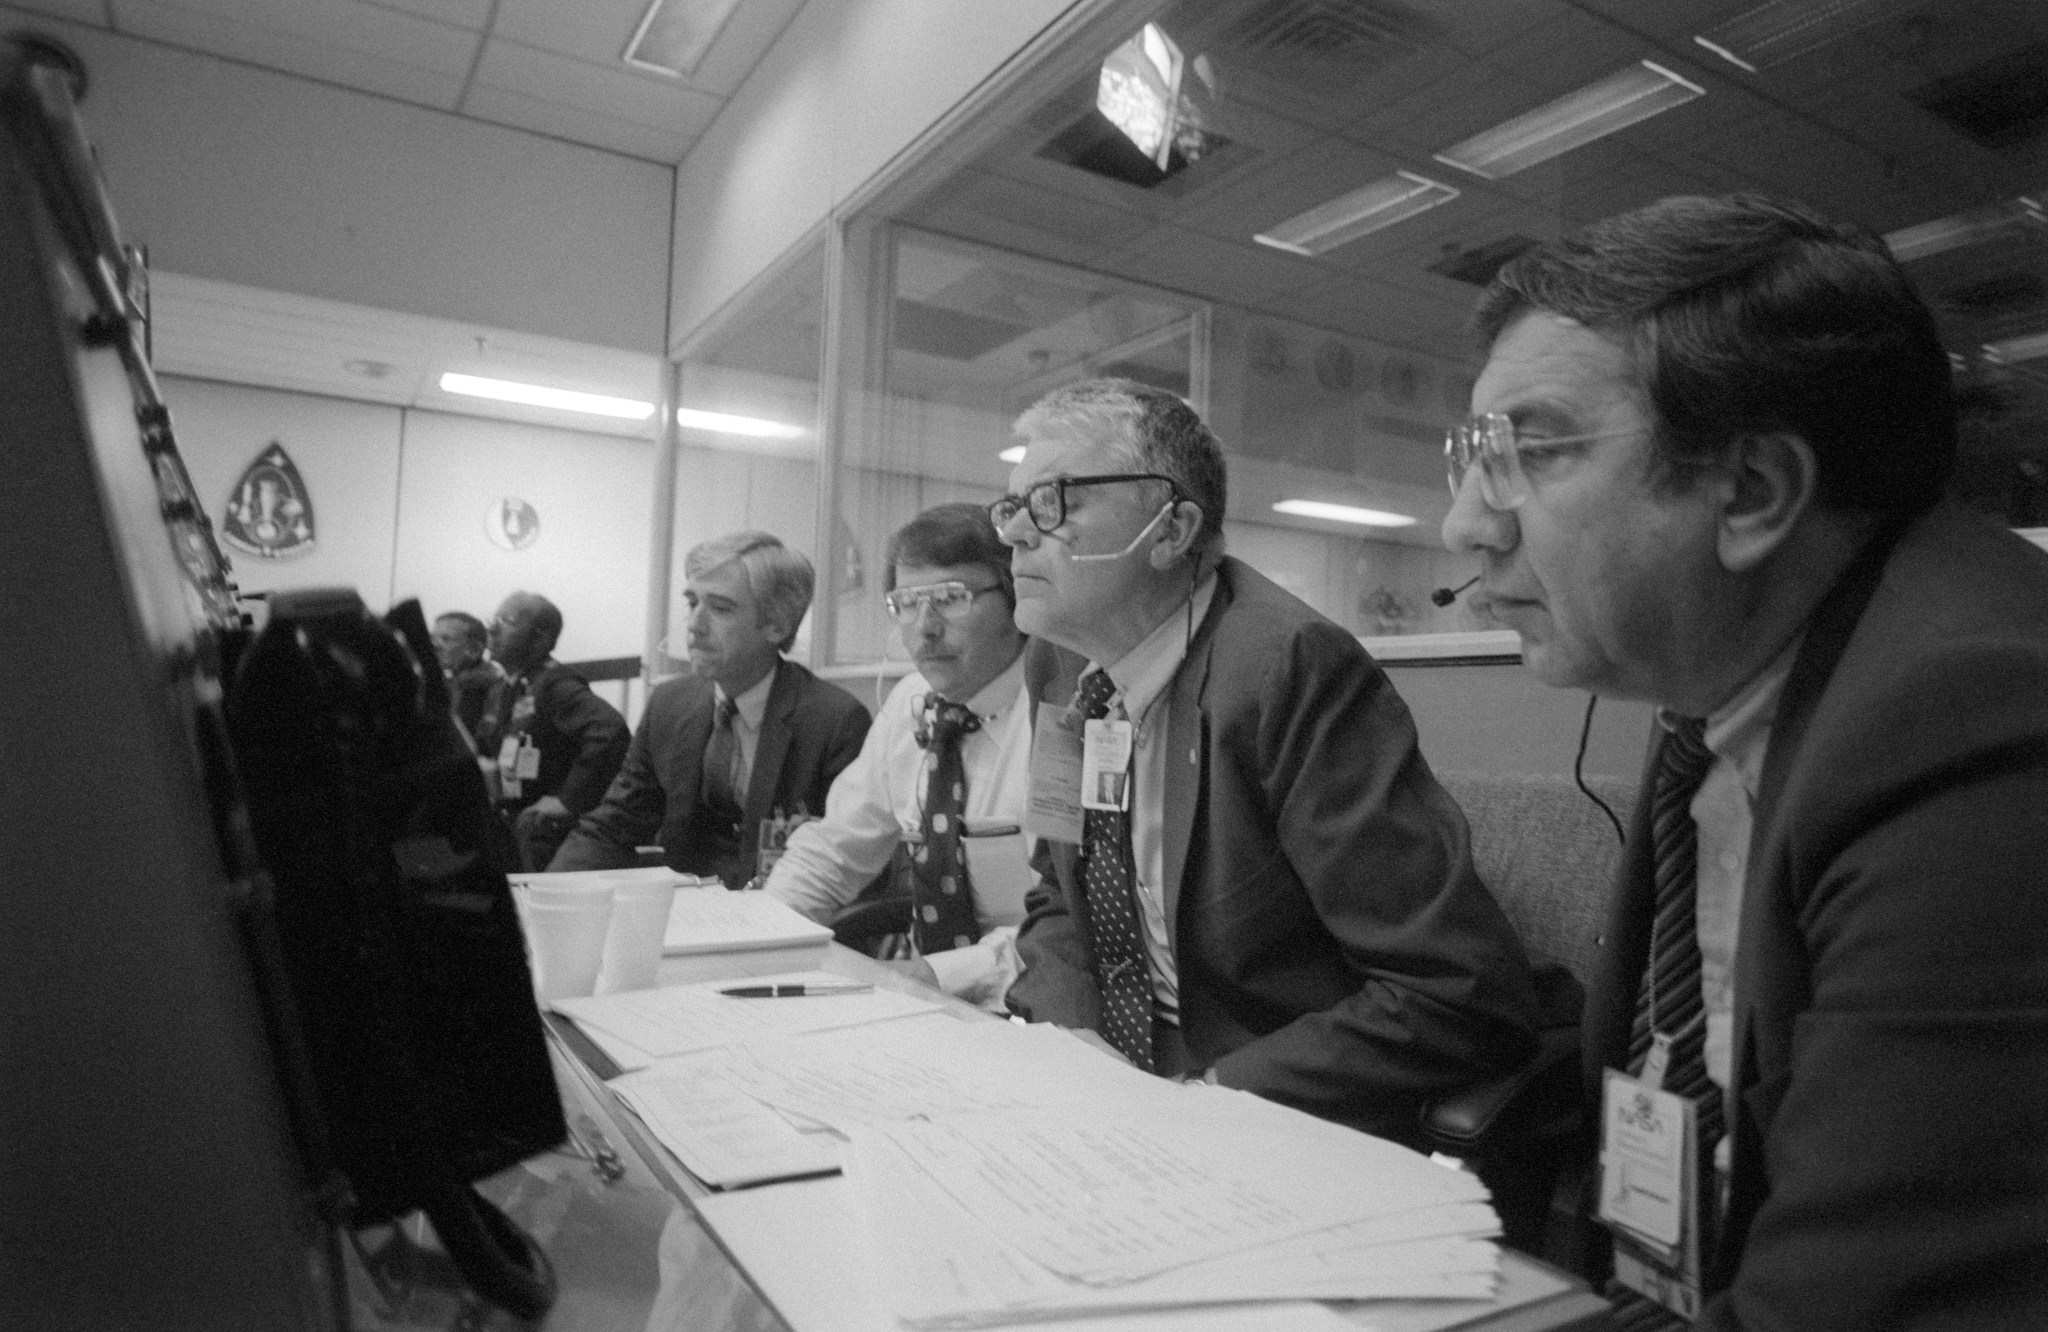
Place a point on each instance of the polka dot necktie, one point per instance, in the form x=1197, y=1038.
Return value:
x=1121, y=972
x=1670, y=1002
x=941, y=899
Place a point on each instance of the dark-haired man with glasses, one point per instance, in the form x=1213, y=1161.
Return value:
x=1277, y=895
x=943, y=770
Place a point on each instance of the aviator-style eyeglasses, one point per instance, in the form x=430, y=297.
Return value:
x=1490, y=441
x=951, y=600
x=1046, y=502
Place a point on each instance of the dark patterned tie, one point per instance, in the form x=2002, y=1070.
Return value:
x=942, y=902
x=1669, y=1001
x=1115, y=938
x=720, y=792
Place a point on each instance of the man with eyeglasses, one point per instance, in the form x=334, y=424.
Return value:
x=1707, y=469
x=944, y=769
x=1280, y=897
x=749, y=739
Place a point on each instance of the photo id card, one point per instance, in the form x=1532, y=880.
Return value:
x=1650, y=1190
x=1052, y=809
x=1106, y=765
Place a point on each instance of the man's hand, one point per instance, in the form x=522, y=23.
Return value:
x=917, y=969
x=551, y=807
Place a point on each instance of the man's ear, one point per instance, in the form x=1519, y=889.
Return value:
x=1177, y=533
x=1768, y=485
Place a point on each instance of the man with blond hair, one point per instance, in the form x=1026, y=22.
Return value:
x=746, y=738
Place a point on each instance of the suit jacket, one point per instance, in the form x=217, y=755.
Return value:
x=1889, y=1117
x=581, y=737
x=809, y=731
x=1336, y=950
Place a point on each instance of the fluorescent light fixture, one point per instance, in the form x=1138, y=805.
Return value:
x=1012, y=455
x=1138, y=91
x=2037, y=535
x=1959, y=230
x=1573, y=120
x=1770, y=33
x=674, y=35
x=1345, y=218
x=719, y=422
x=2032, y=347
x=534, y=395
x=1343, y=513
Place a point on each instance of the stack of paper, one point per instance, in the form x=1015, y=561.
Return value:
x=722, y=922
x=1001, y=1173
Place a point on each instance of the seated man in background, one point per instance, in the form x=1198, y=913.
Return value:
x=1284, y=900
x=459, y=642
x=950, y=755
x=747, y=737
x=556, y=744
x=1712, y=439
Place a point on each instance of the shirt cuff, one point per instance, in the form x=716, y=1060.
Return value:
x=982, y=971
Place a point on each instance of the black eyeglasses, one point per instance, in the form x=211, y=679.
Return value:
x=1046, y=502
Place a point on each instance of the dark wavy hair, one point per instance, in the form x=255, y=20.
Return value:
x=949, y=534
x=1749, y=315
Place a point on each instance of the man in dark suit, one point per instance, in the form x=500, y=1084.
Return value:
x=747, y=737
x=1285, y=902
x=459, y=642
x=1711, y=442
x=554, y=744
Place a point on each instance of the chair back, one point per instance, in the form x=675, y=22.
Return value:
x=1547, y=852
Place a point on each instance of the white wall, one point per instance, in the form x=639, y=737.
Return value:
x=400, y=498
x=846, y=87
x=235, y=173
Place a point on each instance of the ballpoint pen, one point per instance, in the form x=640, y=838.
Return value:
x=790, y=991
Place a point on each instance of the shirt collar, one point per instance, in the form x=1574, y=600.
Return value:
x=999, y=695
x=1142, y=674
x=754, y=700
x=1739, y=731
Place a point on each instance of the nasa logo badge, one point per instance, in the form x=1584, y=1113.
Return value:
x=269, y=512
x=512, y=524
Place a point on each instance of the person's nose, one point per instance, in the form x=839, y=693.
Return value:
x=1473, y=524
x=1017, y=530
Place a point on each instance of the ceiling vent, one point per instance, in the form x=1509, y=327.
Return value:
x=1340, y=35
x=1477, y=264
x=2001, y=103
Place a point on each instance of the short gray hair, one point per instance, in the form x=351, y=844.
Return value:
x=1155, y=430
x=780, y=579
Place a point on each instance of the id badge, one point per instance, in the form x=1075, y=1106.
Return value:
x=529, y=763
x=773, y=840
x=1650, y=1190
x=1052, y=809
x=1106, y=765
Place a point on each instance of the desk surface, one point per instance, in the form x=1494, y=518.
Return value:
x=631, y=1251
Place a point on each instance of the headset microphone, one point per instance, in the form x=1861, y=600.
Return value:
x=1444, y=596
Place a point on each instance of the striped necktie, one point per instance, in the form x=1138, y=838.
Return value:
x=1114, y=936
x=1670, y=1003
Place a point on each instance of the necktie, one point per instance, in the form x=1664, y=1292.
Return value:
x=1121, y=973
x=720, y=792
x=942, y=903
x=1669, y=1002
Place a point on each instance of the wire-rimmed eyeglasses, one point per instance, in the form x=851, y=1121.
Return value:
x=1490, y=441
x=950, y=600
x=1046, y=502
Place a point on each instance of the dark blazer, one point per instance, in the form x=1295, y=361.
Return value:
x=809, y=732
x=1890, y=1118
x=1336, y=950
x=581, y=737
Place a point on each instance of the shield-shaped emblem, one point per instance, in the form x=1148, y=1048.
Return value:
x=270, y=514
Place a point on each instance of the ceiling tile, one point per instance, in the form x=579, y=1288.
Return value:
x=615, y=93
x=471, y=15
x=376, y=50
x=503, y=107
x=93, y=13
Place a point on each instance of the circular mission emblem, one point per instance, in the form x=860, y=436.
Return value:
x=512, y=524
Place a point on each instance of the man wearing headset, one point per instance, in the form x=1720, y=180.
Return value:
x=961, y=716
x=1280, y=897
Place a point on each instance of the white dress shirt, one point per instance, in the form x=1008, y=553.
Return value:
x=746, y=725
x=1738, y=734
x=877, y=803
x=1142, y=677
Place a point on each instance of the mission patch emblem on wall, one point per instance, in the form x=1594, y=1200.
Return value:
x=269, y=513
x=512, y=524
